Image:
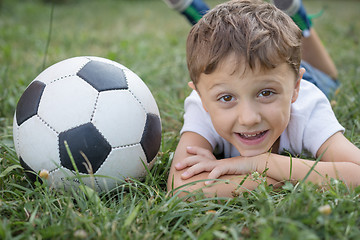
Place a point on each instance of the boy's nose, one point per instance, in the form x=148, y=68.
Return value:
x=248, y=114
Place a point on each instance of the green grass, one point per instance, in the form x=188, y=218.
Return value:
x=149, y=38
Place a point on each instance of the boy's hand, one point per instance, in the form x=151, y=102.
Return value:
x=202, y=160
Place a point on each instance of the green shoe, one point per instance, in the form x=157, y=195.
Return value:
x=295, y=9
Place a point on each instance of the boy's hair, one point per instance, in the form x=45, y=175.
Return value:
x=253, y=30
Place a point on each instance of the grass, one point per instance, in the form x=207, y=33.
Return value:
x=149, y=38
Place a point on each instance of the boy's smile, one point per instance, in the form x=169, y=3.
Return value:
x=250, y=108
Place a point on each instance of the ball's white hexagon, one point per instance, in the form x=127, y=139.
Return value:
x=67, y=103
x=38, y=145
x=119, y=117
x=65, y=68
x=120, y=164
x=142, y=92
x=63, y=178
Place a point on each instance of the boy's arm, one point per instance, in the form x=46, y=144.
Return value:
x=340, y=160
x=220, y=188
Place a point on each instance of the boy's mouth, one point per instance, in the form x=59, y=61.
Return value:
x=252, y=138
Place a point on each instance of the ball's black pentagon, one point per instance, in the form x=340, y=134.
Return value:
x=84, y=139
x=30, y=173
x=103, y=76
x=151, y=138
x=29, y=102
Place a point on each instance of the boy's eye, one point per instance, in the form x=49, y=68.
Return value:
x=266, y=93
x=226, y=98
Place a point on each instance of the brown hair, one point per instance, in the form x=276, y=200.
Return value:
x=251, y=29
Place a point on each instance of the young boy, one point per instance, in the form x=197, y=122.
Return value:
x=249, y=104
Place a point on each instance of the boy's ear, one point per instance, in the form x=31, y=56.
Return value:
x=297, y=85
x=192, y=85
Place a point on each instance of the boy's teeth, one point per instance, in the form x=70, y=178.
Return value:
x=251, y=135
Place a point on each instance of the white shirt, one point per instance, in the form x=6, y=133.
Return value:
x=312, y=122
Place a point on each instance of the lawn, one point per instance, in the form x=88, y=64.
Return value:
x=149, y=38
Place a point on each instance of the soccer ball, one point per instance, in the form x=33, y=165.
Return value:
x=87, y=120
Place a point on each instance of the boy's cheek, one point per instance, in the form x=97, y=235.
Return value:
x=204, y=107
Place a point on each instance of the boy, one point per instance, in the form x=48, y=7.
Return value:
x=249, y=104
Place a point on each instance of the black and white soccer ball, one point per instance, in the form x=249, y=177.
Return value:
x=96, y=109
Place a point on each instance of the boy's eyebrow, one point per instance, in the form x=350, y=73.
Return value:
x=271, y=80
x=216, y=85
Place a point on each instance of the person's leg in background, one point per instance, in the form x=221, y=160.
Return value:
x=320, y=67
x=193, y=10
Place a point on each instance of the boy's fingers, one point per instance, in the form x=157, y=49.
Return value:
x=196, y=169
x=189, y=161
x=189, y=173
x=209, y=182
x=180, y=166
x=199, y=151
x=215, y=173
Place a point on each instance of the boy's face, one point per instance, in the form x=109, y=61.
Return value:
x=251, y=108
